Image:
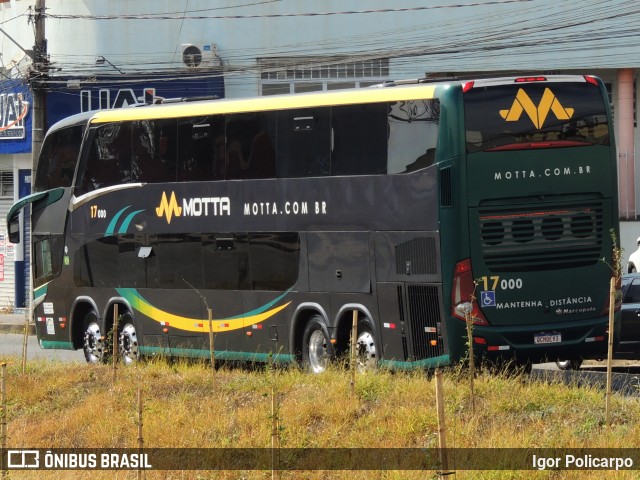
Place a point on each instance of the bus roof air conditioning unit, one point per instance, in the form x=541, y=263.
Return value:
x=200, y=55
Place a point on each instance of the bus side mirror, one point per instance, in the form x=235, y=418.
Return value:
x=14, y=229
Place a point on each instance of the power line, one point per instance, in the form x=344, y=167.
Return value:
x=278, y=15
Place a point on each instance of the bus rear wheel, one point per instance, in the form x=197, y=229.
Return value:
x=366, y=351
x=94, y=345
x=317, y=350
x=128, y=340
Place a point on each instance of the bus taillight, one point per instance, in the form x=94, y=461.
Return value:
x=463, y=299
x=530, y=79
x=467, y=86
x=591, y=79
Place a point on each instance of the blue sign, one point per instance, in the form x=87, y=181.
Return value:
x=15, y=117
x=82, y=95
x=488, y=298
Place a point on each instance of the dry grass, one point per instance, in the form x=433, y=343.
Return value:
x=66, y=405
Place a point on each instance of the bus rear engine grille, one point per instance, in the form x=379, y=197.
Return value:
x=424, y=312
x=529, y=238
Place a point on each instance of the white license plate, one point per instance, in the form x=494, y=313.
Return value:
x=547, y=338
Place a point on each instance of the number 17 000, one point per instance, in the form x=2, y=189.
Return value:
x=494, y=281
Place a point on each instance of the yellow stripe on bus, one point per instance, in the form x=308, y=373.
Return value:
x=267, y=103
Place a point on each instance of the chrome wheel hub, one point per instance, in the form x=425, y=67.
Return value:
x=94, y=343
x=318, y=355
x=366, y=355
x=128, y=344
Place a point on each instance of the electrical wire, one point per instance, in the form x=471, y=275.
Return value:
x=278, y=15
x=572, y=34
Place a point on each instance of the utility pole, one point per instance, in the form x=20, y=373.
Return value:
x=40, y=71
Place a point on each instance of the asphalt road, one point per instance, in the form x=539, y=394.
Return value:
x=11, y=346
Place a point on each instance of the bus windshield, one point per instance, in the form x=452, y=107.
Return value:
x=535, y=115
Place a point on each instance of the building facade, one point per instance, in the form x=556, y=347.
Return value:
x=109, y=54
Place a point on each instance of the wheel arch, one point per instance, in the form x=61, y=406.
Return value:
x=108, y=311
x=344, y=320
x=303, y=313
x=79, y=309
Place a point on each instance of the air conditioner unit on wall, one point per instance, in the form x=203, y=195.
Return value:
x=200, y=55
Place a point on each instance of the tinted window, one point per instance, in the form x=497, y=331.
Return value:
x=251, y=145
x=304, y=141
x=359, y=139
x=225, y=258
x=109, y=159
x=96, y=264
x=265, y=261
x=58, y=158
x=531, y=114
x=274, y=260
x=132, y=270
x=199, y=148
x=413, y=135
x=155, y=151
x=175, y=261
x=364, y=139
x=632, y=294
x=47, y=258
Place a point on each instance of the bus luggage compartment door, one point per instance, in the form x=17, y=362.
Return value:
x=339, y=262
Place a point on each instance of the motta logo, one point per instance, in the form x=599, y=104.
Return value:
x=537, y=113
x=168, y=207
x=192, y=207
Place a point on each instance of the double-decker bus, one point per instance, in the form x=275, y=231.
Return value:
x=419, y=205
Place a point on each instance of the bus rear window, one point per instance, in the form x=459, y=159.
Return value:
x=534, y=115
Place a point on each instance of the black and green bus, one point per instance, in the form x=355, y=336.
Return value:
x=419, y=205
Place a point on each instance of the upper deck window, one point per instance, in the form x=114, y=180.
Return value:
x=535, y=115
x=58, y=158
x=365, y=139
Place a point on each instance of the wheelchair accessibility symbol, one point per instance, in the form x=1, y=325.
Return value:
x=488, y=298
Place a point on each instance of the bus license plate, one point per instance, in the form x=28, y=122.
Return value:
x=547, y=338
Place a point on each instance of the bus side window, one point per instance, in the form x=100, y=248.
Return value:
x=154, y=150
x=196, y=148
x=304, y=141
x=47, y=253
x=109, y=160
x=251, y=145
x=413, y=135
x=274, y=260
x=225, y=258
x=359, y=139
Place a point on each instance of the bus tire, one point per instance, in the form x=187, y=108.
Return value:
x=569, y=364
x=128, y=340
x=366, y=347
x=94, y=344
x=317, y=350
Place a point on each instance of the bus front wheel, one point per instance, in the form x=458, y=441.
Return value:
x=128, y=340
x=94, y=345
x=317, y=350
